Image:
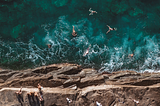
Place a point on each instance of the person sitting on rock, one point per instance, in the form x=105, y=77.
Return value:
x=19, y=92
x=74, y=33
x=110, y=29
x=92, y=12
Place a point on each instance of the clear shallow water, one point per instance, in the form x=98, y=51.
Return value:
x=28, y=26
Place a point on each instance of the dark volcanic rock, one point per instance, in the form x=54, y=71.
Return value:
x=84, y=87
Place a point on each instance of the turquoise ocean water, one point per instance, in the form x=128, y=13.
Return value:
x=27, y=26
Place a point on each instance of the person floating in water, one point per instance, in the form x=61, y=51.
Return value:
x=87, y=51
x=110, y=29
x=74, y=33
x=49, y=45
x=131, y=55
x=92, y=12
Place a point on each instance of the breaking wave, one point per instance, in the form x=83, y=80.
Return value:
x=107, y=52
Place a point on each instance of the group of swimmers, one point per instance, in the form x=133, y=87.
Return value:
x=74, y=33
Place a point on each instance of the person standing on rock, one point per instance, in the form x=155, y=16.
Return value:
x=110, y=29
x=92, y=12
x=37, y=99
x=41, y=99
x=74, y=33
x=40, y=87
x=19, y=92
x=19, y=96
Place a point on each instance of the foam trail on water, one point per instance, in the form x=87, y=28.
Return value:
x=152, y=60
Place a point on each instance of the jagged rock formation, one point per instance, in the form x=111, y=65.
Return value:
x=83, y=86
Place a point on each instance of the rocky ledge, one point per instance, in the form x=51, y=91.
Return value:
x=85, y=87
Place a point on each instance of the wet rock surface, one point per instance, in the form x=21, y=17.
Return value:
x=84, y=87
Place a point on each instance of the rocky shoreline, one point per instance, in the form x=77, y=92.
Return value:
x=84, y=87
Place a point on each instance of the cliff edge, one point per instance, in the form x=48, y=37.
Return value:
x=83, y=86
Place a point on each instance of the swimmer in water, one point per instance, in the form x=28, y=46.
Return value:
x=49, y=45
x=110, y=29
x=92, y=12
x=131, y=55
x=74, y=33
x=87, y=51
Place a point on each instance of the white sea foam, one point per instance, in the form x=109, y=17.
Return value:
x=103, y=51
